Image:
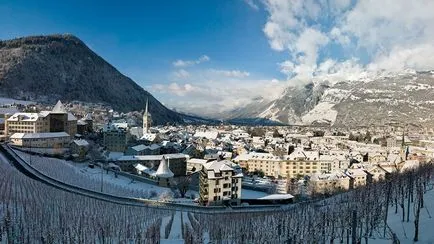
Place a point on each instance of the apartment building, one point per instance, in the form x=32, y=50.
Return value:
x=115, y=139
x=27, y=123
x=298, y=163
x=329, y=182
x=56, y=120
x=220, y=183
x=41, y=140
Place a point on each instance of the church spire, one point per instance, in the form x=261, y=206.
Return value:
x=146, y=108
x=146, y=118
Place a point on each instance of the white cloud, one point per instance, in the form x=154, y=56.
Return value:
x=209, y=91
x=252, y=4
x=231, y=73
x=174, y=88
x=186, y=63
x=371, y=36
x=182, y=74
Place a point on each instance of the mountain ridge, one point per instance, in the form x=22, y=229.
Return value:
x=61, y=66
x=389, y=98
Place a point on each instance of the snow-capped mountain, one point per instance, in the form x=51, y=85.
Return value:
x=401, y=98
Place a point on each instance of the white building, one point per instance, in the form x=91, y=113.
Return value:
x=42, y=140
x=220, y=183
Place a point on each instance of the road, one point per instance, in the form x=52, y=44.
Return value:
x=8, y=155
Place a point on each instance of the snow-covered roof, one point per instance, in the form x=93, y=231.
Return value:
x=277, y=197
x=355, y=172
x=197, y=161
x=81, y=142
x=206, y=134
x=81, y=122
x=142, y=147
x=88, y=116
x=58, y=108
x=24, y=117
x=39, y=135
x=149, y=136
x=141, y=167
x=121, y=125
x=337, y=175
x=139, y=148
x=218, y=166
x=152, y=157
x=163, y=170
x=71, y=117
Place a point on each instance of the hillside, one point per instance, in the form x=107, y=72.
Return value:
x=400, y=98
x=48, y=68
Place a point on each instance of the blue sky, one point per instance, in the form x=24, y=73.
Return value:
x=143, y=38
x=208, y=56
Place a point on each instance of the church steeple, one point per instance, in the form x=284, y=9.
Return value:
x=146, y=119
x=404, y=148
x=146, y=109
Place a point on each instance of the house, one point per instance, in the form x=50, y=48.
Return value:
x=329, y=182
x=79, y=148
x=220, y=183
x=41, y=140
x=358, y=177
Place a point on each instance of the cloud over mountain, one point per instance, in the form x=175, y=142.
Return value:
x=343, y=39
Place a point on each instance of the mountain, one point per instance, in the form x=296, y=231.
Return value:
x=393, y=98
x=48, y=68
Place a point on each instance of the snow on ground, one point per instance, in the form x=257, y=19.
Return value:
x=323, y=111
x=79, y=174
x=176, y=230
x=164, y=222
x=186, y=219
x=48, y=151
x=405, y=231
x=251, y=194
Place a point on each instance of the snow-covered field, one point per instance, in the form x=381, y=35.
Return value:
x=33, y=212
x=405, y=230
x=79, y=174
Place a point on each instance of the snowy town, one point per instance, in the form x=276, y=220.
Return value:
x=217, y=122
x=194, y=170
x=209, y=165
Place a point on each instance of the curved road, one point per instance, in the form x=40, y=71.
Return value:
x=30, y=171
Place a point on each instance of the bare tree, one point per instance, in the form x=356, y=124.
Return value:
x=181, y=184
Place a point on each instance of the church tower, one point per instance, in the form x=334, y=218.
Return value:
x=147, y=120
x=404, y=148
